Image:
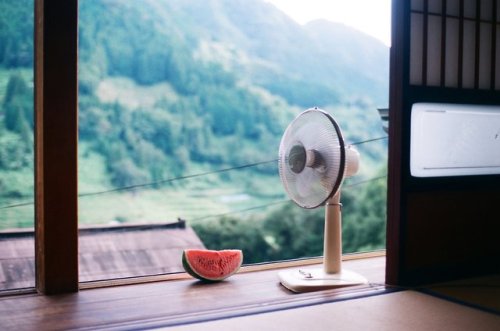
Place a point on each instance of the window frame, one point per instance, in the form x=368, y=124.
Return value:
x=56, y=154
x=56, y=143
x=56, y=132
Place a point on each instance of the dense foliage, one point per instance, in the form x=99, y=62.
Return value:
x=289, y=232
x=170, y=88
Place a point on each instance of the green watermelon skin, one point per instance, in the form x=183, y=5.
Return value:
x=210, y=265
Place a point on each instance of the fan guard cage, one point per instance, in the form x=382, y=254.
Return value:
x=316, y=132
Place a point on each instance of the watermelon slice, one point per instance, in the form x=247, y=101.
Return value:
x=211, y=266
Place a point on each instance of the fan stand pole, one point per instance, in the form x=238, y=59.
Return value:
x=332, y=251
x=330, y=275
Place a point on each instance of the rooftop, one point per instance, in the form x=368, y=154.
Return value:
x=105, y=252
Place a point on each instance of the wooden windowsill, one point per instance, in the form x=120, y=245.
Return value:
x=244, y=269
x=163, y=303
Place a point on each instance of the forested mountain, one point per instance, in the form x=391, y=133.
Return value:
x=152, y=41
x=229, y=71
x=212, y=73
x=173, y=87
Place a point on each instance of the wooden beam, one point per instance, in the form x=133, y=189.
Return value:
x=399, y=81
x=56, y=236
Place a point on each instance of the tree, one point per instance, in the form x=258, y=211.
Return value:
x=233, y=233
x=18, y=109
x=16, y=33
x=295, y=232
x=365, y=218
x=126, y=173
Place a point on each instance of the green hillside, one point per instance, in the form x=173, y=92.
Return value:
x=234, y=70
x=170, y=91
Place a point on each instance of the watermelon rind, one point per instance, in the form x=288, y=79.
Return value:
x=187, y=267
x=194, y=271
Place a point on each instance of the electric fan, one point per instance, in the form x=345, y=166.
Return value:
x=313, y=161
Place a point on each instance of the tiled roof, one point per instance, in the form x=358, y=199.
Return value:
x=104, y=252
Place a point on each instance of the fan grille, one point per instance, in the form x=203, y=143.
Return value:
x=316, y=132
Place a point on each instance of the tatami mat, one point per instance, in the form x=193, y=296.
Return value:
x=405, y=310
x=483, y=293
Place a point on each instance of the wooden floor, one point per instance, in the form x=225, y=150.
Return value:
x=253, y=295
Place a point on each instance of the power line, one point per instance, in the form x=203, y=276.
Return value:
x=241, y=210
x=365, y=181
x=368, y=141
x=276, y=202
x=21, y=204
x=169, y=180
x=163, y=181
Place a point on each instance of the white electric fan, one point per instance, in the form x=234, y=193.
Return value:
x=313, y=161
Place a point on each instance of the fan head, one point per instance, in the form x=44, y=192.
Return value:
x=313, y=158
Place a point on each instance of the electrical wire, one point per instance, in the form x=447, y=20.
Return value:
x=279, y=202
x=170, y=180
x=164, y=181
x=239, y=211
x=368, y=141
x=361, y=182
x=21, y=204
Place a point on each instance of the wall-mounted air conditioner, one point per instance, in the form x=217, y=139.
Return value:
x=454, y=140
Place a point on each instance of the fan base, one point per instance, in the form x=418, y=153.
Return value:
x=308, y=280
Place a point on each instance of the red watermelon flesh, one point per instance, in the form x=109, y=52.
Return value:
x=210, y=265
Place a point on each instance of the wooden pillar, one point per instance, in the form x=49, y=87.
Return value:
x=56, y=132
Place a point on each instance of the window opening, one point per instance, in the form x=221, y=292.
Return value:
x=16, y=145
x=180, y=118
